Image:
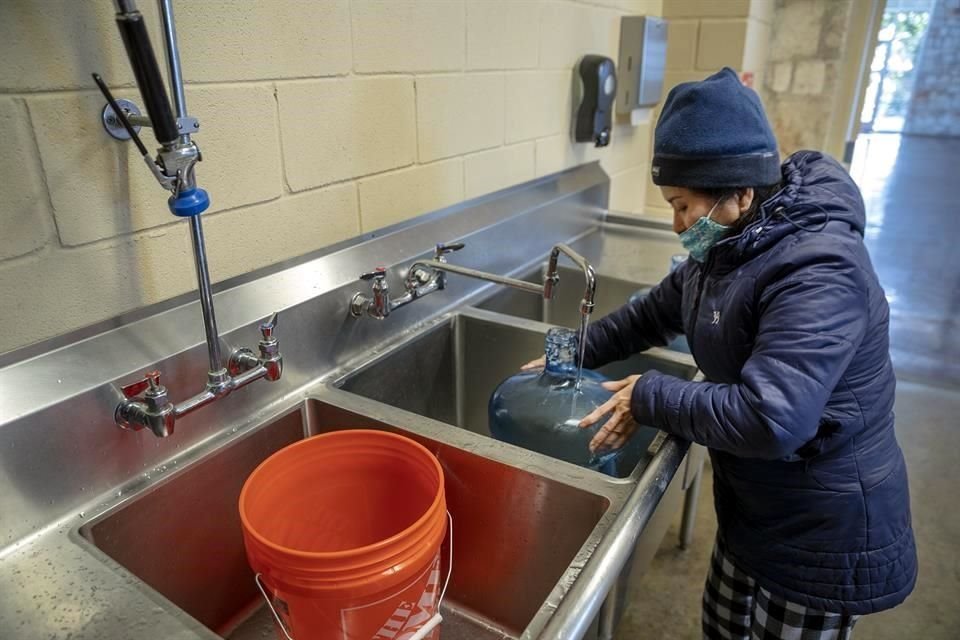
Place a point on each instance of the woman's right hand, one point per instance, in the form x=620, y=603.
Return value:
x=539, y=363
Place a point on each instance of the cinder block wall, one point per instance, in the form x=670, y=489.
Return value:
x=319, y=120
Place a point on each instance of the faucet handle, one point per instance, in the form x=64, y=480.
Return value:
x=267, y=328
x=443, y=249
x=380, y=273
x=151, y=380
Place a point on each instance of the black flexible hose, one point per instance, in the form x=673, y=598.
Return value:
x=145, y=68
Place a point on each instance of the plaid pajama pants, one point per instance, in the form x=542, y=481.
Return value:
x=736, y=608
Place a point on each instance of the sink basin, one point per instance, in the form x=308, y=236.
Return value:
x=516, y=533
x=564, y=308
x=448, y=373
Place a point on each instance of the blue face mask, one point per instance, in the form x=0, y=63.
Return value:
x=704, y=233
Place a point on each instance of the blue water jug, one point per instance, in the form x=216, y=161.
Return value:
x=540, y=410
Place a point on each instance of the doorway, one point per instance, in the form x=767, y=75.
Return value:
x=892, y=77
x=904, y=162
x=893, y=69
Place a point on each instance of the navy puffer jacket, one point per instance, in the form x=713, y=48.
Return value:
x=789, y=324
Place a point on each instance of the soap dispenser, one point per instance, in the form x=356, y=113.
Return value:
x=597, y=92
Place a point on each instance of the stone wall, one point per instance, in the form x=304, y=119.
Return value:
x=935, y=104
x=801, y=79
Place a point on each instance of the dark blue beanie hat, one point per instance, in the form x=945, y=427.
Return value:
x=714, y=133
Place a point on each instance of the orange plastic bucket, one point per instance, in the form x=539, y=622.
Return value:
x=344, y=530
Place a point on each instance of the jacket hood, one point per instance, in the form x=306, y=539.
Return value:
x=818, y=194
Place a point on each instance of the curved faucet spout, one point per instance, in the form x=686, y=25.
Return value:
x=550, y=280
x=428, y=275
x=589, y=275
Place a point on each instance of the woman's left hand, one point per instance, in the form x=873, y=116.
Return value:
x=621, y=425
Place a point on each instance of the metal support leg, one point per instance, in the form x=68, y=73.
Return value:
x=690, y=511
x=615, y=605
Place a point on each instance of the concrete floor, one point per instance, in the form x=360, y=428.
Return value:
x=910, y=188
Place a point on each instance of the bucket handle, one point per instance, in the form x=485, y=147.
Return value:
x=276, y=616
x=429, y=626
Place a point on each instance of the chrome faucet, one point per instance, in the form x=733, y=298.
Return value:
x=380, y=305
x=551, y=279
x=422, y=278
x=154, y=410
x=175, y=170
x=426, y=276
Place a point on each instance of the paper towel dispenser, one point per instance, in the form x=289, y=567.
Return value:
x=643, y=58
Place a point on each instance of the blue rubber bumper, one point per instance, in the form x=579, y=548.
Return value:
x=189, y=203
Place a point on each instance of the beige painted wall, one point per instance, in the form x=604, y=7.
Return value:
x=319, y=120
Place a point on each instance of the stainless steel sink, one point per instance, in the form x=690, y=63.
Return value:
x=108, y=534
x=516, y=533
x=564, y=308
x=448, y=373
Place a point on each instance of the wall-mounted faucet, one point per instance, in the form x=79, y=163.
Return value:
x=426, y=276
x=174, y=167
x=154, y=410
x=422, y=279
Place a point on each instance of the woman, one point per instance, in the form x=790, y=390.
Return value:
x=787, y=320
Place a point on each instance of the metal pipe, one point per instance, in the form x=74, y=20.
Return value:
x=138, y=121
x=690, y=501
x=589, y=275
x=611, y=612
x=207, y=396
x=173, y=62
x=523, y=285
x=206, y=295
x=189, y=405
x=249, y=376
x=123, y=119
x=196, y=226
x=580, y=605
